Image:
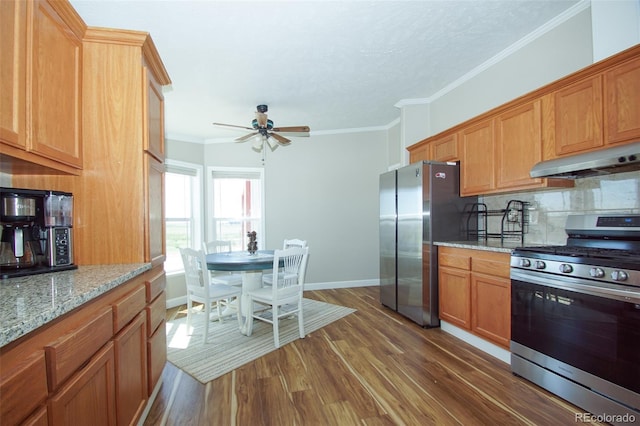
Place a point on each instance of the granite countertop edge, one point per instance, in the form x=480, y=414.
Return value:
x=27, y=303
x=496, y=246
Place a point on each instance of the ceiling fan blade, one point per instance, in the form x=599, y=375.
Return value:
x=293, y=129
x=281, y=139
x=262, y=119
x=232, y=125
x=246, y=137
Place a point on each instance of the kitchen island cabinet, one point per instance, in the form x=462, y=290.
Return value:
x=82, y=354
x=475, y=292
x=41, y=81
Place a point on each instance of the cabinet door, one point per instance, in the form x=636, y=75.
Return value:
x=445, y=148
x=131, y=370
x=578, y=117
x=491, y=308
x=622, y=103
x=154, y=117
x=419, y=153
x=88, y=398
x=13, y=45
x=29, y=377
x=55, y=88
x=455, y=297
x=157, y=355
x=154, y=217
x=518, y=145
x=478, y=159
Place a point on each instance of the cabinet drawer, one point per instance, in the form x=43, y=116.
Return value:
x=156, y=313
x=454, y=258
x=156, y=285
x=23, y=388
x=70, y=352
x=157, y=355
x=496, y=264
x=125, y=309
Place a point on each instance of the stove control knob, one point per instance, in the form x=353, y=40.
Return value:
x=540, y=264
x=619, y=276
x=596, y=272
x=525, y=263
x=565, y=268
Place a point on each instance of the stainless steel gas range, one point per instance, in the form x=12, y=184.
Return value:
x=575, y=316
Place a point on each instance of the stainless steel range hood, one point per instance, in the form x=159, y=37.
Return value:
x=618, y=159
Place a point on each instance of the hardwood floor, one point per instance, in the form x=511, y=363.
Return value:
x=373, y=367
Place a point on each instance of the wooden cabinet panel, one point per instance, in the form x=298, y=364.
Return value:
x=478, y=159
x=455, y=296
x=38, y=418
x=622, y=103
x=445, y=148
x=13, y=72
x=125, y=309
x=23, y=388
x=157, y=355
x=518, y=134
x=130, y=347
x=69, y=352
x=419, y=152
x=155, y=283
x=491, y=308
x=492, y=263
x=55, y=88
x=88, y=398
x=154, y=117
x=455, y=258
x=156, y=312
x=578, y=116
x=154, y=217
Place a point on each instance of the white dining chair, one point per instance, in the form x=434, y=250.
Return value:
x=200, y=289
x=267, y=279
x=287, y=289
x=221, y=277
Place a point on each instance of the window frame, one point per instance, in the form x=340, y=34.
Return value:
x=211, y=170
x=197, y=204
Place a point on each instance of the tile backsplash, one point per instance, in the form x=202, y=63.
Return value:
x=548, y=209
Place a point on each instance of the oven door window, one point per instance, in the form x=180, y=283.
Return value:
x=595, y=334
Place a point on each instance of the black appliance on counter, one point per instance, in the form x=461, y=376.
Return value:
x=36, y=232
x=575, y=315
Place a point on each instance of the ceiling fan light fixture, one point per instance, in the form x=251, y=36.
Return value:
x=257, y=144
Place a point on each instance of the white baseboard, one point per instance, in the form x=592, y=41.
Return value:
x=182, y=300
x=485, y=346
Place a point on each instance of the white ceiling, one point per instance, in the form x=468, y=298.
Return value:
x=331, y=65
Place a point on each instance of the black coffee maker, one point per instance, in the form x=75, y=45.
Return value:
x=17, y=244
x=37, y=232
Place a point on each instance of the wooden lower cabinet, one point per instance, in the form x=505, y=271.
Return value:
x=454, y=296
x=491, y=301
x=88, y=398
x=475, y=292
x=96, y=365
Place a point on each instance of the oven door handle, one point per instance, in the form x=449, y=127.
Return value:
x=610, y=291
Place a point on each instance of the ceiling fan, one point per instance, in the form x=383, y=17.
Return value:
x=263, y=131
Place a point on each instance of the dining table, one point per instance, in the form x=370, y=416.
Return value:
x=251, y=266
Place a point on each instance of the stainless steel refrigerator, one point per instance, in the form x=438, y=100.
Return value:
x=419, y=204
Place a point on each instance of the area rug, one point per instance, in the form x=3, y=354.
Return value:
x=227, y=349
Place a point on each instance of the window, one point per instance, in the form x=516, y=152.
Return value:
x=236, y=205
x=183, y=193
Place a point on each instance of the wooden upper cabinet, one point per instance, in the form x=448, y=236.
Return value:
x=578, y=116
x=477, y=162
x=154, y=113
x=622, y=103
x=55, y=87
x=13, y=72
x=154, y=216
x=445, y=148
x=518, y=134
x=419, y=152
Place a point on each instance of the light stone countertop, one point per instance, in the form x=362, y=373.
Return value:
x=489, y=245
x=27, y=303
